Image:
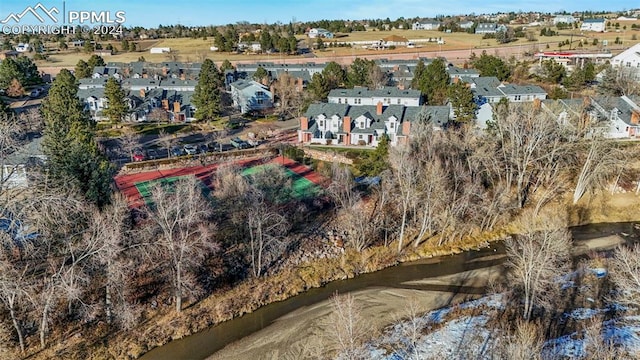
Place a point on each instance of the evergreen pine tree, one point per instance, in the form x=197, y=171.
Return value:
x=116, y=96
x=73, y=156
x=82, y=70
x=207, y=96
x=461, y=99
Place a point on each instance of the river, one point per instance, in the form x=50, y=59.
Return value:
x=430, y=278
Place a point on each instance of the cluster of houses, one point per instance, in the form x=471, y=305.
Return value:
x=594, y=24
x=165, y=90
x=362, y=116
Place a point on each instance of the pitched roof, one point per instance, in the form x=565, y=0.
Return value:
x=327, y=109
x=364, y=92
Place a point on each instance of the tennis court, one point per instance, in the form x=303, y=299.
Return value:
x=136, y=187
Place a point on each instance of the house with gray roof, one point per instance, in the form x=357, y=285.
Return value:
x=387, y=96
x=15, y=167
x=94, y=102
x=619, y=116
x=365, y=125
x=489, y=28
x=490, y=89
x=250, y=95
x=91, y=83
x=426, y=25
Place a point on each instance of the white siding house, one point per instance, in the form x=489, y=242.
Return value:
x=597, y=25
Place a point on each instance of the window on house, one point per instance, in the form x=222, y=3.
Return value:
x=399, y=101
x=628, y=63
x=517, y=97
x=359, y=137
x=339, y=101
x=259, y=93
x=260, y=101
x=321, y=122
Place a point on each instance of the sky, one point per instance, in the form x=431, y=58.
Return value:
x=216, y=12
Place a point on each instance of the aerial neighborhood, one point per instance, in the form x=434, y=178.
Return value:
x=163, y=181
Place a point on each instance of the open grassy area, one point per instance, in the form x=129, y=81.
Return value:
x=196, y=50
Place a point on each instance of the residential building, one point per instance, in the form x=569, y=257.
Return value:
x=457, y=72
x=320, y=33
x=387, y=96
x=91, y=83
x=565, y=19
x=251, y=96
x=619, y=116
x=365, y=125
x=629, y=58
x=250, y=46
x=597, y=25
x=486, y=28
x=94, y=101
x=426, y=25
x=466, y=24
x=15, y=167
x=22, y=47
x=490, y=90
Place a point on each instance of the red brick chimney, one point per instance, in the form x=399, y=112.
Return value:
x=176, y=107
x=456, y=79
x=406, y=128
x=164, y=71
x=165, y=104
x=304, y=123
x=299, y=85
x=379, y=108
x=142, y=93
x=346, y=124
x=635, y=117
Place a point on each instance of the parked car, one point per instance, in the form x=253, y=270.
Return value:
x=177, y=151
x=36, y=92
x=203, y=148
x=213, y=146
x=190, y=149
x=253, y=142
x=152, y=154
x=239, y=144
x=138, y=155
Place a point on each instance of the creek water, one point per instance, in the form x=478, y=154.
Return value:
x=204, y=343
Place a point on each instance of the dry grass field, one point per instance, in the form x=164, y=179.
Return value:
x=196, y=50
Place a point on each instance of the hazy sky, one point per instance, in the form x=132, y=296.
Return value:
x=200, y=12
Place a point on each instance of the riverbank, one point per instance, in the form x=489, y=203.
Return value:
x=299, y=334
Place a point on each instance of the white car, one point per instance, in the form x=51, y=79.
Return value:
x=190, y=149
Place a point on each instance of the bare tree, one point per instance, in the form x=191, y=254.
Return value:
x=130, y=139
x=108, y=228
x=289, y=93
x=166, y=140
x=180, y=224
x=602, y=161
x=15, y=277
x=404, y=170
x=32, y=120
x=536, y=258
x=342, y=188
x=266, y=229
x=347, y=329
x=596, y=347
x=159, y=115
x=529, y=143
x=624, y=272
x=523, y=343
x=10, y=133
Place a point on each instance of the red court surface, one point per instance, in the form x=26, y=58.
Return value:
x=127, y=183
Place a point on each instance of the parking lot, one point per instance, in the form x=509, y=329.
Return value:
x=151, y=147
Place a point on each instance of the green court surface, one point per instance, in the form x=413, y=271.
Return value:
x=144, y=187
x=301, y=186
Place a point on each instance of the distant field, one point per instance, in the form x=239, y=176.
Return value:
x=196, y=50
